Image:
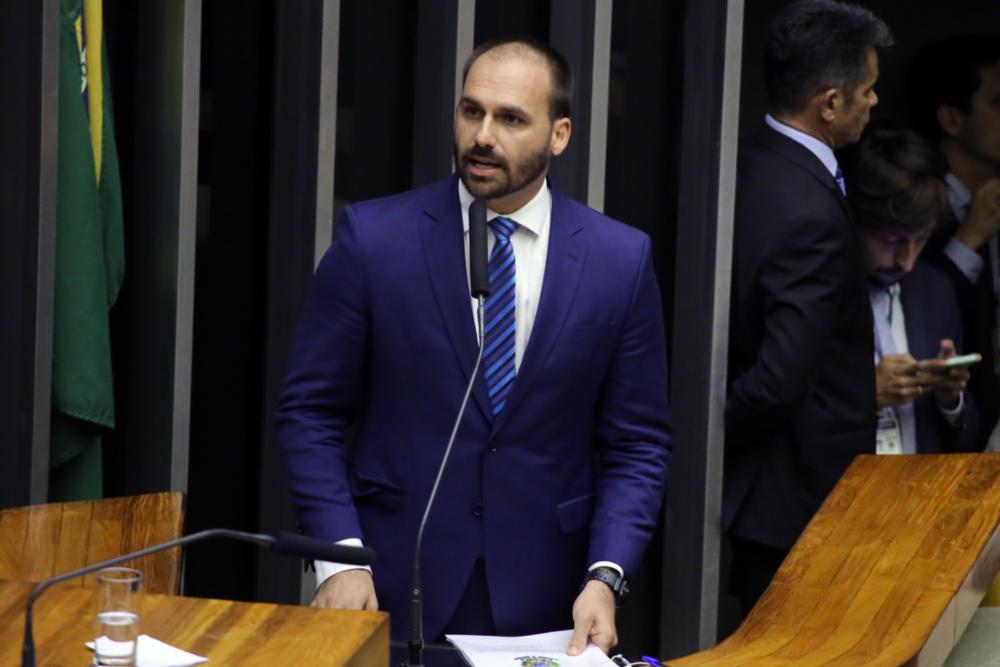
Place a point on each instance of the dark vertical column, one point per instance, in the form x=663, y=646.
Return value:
x=229, y=315
x=434, y=89
x=152, y=328
x=291, y=251
x=700, y=324
x=29, y=45
x=572, y=33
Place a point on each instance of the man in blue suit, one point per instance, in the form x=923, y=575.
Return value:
x=560, y=462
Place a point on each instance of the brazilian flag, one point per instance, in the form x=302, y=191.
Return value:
x=90, y=261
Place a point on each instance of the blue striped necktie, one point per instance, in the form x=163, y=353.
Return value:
x=839, y=177
x=499, y=321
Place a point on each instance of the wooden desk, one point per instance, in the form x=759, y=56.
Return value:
x=888, y=572
x=229, y=633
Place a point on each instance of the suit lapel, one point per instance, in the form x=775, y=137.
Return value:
x=563, y=268
x=803, y=157
x=444, y=249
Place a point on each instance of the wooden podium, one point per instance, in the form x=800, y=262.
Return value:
x=888, y=572
x=226, y=632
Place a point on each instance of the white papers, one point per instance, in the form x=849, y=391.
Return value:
x=545, y=650
x=152, y=652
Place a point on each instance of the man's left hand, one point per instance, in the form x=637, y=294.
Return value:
x=593, y=618
x=950, y=382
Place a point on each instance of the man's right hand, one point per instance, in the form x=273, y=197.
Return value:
x=982, y=222
x=350, y=589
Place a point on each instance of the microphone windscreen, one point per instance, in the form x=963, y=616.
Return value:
x=313, y=549
x=479, y=279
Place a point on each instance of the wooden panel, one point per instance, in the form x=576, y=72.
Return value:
x=229, y=633
x=888, y=572
x=40, y=541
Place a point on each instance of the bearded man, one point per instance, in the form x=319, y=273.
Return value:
x=559, y=465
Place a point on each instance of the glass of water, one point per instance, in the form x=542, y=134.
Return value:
x=117, y=616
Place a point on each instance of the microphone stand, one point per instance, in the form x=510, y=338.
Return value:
x=283, y=543
x=416, y=643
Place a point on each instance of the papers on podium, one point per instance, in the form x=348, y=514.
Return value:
x=545, y=650
x=150, y=652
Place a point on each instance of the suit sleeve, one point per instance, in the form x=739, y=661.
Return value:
x=634, y=430
x=803, y=283
x=323, y=387
x=962, y=436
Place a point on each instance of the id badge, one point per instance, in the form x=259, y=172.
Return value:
x=888, y=438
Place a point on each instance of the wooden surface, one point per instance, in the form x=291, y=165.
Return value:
x=888, y=572
x=39, y=541
x=228, y=633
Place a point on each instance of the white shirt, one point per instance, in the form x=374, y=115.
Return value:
x=530, y=242
x=809, y=142
x=887, y=305
x=968, y=261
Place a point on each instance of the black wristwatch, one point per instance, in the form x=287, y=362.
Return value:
x=616, y=582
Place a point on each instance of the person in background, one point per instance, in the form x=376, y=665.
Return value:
x=954, y=91
x=801, y=395
x=895, y=185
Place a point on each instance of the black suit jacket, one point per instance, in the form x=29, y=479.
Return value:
x=930, y=306
x=801, y=400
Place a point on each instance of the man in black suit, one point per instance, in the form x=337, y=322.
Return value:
x=801, y=400
x=954, y=88
x=895, y=185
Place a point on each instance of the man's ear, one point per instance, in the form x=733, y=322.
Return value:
x=561, y=130
x=831, y=103
x=950, y=119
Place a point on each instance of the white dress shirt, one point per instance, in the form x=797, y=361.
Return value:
x=530, y=242
x=887, y=307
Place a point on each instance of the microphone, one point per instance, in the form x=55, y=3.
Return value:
x=285, y=543
x=479, y=287
x=479, y=277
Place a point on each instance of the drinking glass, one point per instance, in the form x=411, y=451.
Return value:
x=117, y=616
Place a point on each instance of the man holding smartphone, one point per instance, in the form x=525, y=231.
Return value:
x=895, y=185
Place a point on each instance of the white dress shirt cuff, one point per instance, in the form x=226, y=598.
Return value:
x=966, y=260
x=326, y=569
x=955, y=414
x=606, y=563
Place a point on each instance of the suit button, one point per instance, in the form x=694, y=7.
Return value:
x=477, y=509
x=493, y=448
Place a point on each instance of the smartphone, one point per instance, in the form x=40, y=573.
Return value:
x=953, y=362
x=964, y=360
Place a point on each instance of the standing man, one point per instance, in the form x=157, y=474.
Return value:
x=955, y=97
x=560, y=463
x=895, y=185
x=801, y=400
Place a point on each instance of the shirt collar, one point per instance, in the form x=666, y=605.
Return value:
x=810, y=143
x=533, y=216
x=958, y=195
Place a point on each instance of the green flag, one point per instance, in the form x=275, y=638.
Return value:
x=89, y=256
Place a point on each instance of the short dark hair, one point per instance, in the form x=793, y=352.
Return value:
x=948, y=72
x=562, y=79
x=814, y=45
x=895, y=181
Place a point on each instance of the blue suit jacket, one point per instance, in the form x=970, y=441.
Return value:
x=572, y=471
